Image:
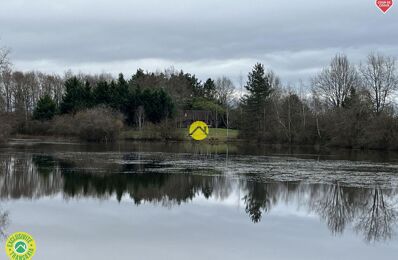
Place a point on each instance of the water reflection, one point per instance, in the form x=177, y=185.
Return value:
x=377, y=217
x=4, y=222
x=373, y=212
x=371, y=209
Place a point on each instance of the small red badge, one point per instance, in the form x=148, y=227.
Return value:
x=384, y=5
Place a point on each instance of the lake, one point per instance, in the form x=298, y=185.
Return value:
x=192, y=201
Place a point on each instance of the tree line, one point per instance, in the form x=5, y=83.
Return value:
x=145, y=97
x=345, y=104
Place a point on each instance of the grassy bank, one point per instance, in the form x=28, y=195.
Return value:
x=179, y=134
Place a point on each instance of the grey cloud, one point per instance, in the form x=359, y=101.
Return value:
x=294, y=38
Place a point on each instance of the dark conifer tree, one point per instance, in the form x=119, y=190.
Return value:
x=45, y=109
x=209, y=89
x=122, y=94
x=255, y=102
x=75, y=97
x=102, y=94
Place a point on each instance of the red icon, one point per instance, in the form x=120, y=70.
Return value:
x=384, y=5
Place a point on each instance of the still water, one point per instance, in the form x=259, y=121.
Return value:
x=187, y=201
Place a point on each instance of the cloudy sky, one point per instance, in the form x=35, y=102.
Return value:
x=209, y=38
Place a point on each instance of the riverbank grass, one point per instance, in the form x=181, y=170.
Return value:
x=215, y=134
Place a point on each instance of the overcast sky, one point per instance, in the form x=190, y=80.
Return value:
x=209, y=38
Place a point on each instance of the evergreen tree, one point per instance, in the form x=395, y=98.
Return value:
x=257, y=86
x=132, y=103
x=166, y=106
x=76, y=97
x=122, y=94
x=102, y=94
x=87, y=98
x=209, y=89
x=255, y=103
x=137, y=78
x=195, y=84
x=149, y=101
x=45, y=109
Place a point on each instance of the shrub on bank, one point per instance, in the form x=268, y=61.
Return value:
x=155, y=132
x=64, y=125
x=98, y=124
x=34, y=127
x=5, y=130
x=168, y=131
x=380, y=133
x=8, y=125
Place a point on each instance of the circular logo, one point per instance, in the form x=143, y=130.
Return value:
x=198, y=130
x=21, y=246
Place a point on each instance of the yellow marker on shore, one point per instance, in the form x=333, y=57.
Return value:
x=199, y=130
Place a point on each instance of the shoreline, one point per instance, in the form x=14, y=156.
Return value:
x=43, y=139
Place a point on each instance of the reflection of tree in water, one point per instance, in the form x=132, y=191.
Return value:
x=45, y=164
x=258, y=199
x=334, y=204
x=370, y=211
x=19, y=177
x=377, y=217
x=4, y=221
x=141, y=181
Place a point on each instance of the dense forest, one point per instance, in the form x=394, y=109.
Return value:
x=345, y=104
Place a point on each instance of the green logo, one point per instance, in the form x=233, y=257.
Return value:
x=20, y=247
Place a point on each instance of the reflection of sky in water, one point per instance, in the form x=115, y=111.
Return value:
x=179, y=206
x=197, y=230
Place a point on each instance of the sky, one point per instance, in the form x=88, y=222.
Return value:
x=209, y=38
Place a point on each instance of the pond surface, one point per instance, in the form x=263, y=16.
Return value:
x=187, y=201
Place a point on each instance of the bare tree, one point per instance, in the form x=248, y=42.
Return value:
x=51, y=85
x=4, y=60
x=335, y=82
x=380, y=78
x=22, y=93
x=6, y=90
x=277, y=101
x=317, y=111
x=34, y=90
x=140, y=115
x=4, y=67
x=224, y=93
x=290, y=113
x=224, y=90
x=273, y=80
